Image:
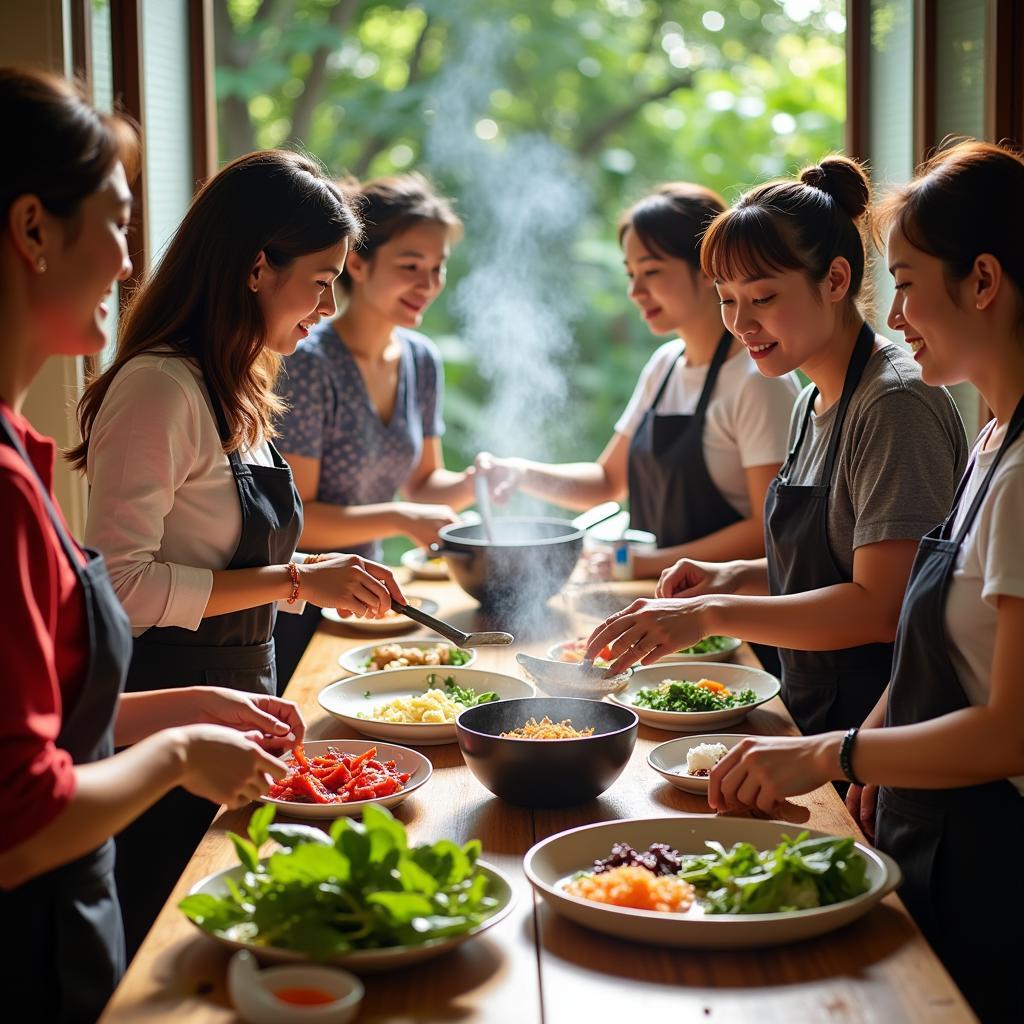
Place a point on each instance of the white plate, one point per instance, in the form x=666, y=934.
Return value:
x=406, y=760
x=354, y=660
x=735, y=677
x=423, y=565
x=346, y=698
x=552, y=862
x=364, y=960
x=679, y=658
x=390, y=625
x=669, y=760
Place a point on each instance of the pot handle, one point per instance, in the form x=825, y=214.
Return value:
x=437, y=550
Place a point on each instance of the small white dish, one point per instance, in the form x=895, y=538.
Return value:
x=735, y=677
x=412, y=761
x=669, y=760
x=390, y=625
x=682, y=658
x=253, y=992
x=423, y=565
x=355, y=660
x=346, y=698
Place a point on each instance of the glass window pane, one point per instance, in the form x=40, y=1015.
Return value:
x=960, y=68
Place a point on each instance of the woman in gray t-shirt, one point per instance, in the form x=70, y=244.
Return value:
x=875, y=457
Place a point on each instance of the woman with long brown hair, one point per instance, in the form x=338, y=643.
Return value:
x=64, y=638
x=190, y=501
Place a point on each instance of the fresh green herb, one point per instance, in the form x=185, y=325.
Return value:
x=709, y=645
x=367, y=694
x=458, y=657
x=682, y=695
x=361, y=888
x=464, y=695
x=798, y=874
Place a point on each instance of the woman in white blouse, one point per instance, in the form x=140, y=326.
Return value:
x=190, y=502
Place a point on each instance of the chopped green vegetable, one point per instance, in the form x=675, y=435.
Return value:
x=709, y=645
x=367, y=694
x=361, y=888
x=459, y=657
x=464, y=695
x=682, y=695
x=798, y=874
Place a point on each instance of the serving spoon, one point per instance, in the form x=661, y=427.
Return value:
x=450, y=632
x=572, y=679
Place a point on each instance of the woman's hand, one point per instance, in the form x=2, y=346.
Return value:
x=503, y=475
x=227, y=766
x=760, y=772
x=352, y=585
x=648, y=630
x=278, y=721
x=422, y=523
x=862, y=802
x=688, y=578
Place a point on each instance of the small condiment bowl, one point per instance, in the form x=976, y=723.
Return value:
x=253, y=992
x=669, y=760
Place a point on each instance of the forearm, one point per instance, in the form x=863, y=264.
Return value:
x=142, y=714
x=574, y=485
x=444, y=487
x=742, y=540
x=237, y=589
x=330, y=527
x=829, y=619
x=108, y=795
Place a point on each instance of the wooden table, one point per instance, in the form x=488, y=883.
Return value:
x=535, y=966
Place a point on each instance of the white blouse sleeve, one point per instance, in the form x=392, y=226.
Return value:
x=143, y=444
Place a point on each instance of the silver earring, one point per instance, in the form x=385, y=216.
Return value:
x=41, y=264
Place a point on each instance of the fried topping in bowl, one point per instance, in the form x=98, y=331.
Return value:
x=545, y=729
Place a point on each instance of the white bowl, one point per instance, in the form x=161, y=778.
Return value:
x=681, y=658
x=735, y=677
x=252, y=992
x=354, y=660
x=424, y=565
x=669, y=760
x=390, y=625
x=551, y=863
x=346, y=698
x=412, y=761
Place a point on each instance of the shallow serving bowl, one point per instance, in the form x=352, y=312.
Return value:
x=355, y=659
x=547, y=773
x=669, y=760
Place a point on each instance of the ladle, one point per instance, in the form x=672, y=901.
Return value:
x=482, y=491
x=450, y=632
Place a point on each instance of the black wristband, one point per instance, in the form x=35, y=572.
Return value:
x=846, y=756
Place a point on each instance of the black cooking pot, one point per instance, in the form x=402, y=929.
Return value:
x=528, y=560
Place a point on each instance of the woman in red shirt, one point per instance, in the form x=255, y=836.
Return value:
x=64, y=638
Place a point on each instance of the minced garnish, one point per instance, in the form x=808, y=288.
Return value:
x=635, y=887
x=545, y=729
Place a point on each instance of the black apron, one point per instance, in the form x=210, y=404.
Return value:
x=823, y=689
x=235, y=650
x=671, y=493
x=66, y=945
x=946, y=839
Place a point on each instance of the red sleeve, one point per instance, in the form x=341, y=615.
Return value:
x=36, y=777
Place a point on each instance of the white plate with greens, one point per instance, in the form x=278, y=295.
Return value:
x=390, y=624
x=853, y=879
x=711, y=648
x=401, y=693
x=366, y=659
x=348, y=868
x=701, y=708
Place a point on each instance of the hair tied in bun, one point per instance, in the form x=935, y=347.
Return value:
x=815, y=177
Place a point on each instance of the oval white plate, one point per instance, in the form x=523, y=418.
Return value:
x=423, y=565
x=669, y=760
x=390, y=625
x=354, y=660
x=679, y=658
x=406, y=760
x=346, y=698
x=363, y=960
x=735, y=677
x=551, y=862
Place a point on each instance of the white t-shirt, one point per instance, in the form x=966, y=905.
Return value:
x=990, y=563
x=747, y=419
x=163, y=505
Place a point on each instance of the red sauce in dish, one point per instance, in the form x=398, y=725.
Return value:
x=297, y=996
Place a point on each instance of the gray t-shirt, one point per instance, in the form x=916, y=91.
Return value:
x=901, y=455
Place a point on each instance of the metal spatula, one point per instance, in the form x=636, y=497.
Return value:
x=449, y=632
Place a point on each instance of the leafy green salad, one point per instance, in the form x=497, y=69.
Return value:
x=798, y=874
x=683, y=695
x=709, y=645
x=361, y=887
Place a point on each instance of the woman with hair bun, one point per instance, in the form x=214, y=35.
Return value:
x=873, y=461
x=950, y=757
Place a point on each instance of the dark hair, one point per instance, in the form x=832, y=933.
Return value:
x=794, y=224
x=672, y=220
x=389, y=206
x=197, y=303
x=966, y=200
x=68, y=148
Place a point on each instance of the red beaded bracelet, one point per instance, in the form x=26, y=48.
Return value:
x=293, y=572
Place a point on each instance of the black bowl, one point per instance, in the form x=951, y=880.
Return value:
x=547, y=773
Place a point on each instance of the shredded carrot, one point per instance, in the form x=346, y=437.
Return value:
x=635, y=887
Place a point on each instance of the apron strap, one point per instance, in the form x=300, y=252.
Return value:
x=717, y=361
x=858, y=360
x=224, y=431
x=666, y=379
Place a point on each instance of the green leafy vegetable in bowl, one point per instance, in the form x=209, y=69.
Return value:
x=709, y=645
x=464, y=695
x=798, y=874
x=363, y=887
x=682, y=695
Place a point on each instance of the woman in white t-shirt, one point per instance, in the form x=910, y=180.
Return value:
x=704, y=433
x=950, y=758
